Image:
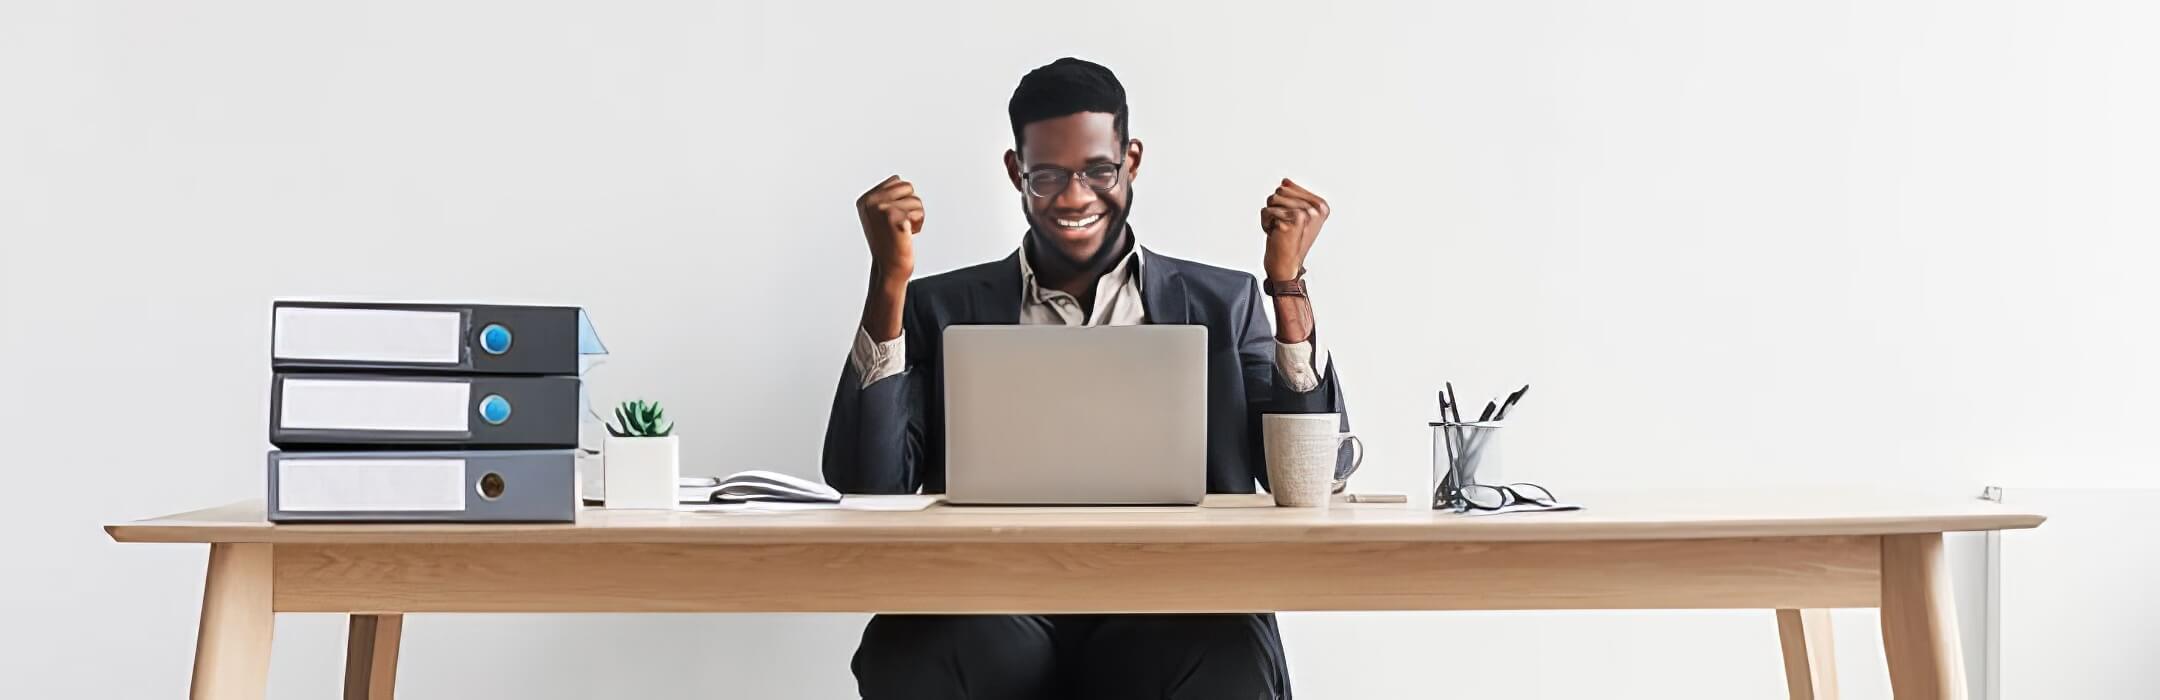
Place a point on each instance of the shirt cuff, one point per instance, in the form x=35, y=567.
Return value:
x=873, y=360
x=1302, y=364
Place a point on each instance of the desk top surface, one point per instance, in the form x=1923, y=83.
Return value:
x=1608, y=515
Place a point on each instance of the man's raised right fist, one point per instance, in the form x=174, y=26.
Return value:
x=891, y=216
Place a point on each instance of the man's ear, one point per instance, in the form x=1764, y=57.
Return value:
x=1132, y=160
x=1012, y=167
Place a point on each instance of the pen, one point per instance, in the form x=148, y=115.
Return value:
x=1449, y=435
x=1511, y=400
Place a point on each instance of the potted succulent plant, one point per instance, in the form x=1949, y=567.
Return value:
x=642, y=460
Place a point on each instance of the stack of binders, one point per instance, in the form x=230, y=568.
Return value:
x=425, y=412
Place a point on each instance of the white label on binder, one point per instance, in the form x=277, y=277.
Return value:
x=348, y=404
x=365, y=485
x=368, y=335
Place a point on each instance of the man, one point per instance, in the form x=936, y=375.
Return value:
x=1073, y=165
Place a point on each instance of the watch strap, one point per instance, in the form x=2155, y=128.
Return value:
x=1284, y=288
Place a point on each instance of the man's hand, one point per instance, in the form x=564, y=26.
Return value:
x=891, y=214
x=1292, y=220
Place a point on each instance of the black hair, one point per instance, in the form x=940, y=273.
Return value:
x=1067, y=86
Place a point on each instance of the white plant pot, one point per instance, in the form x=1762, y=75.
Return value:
x=641, y=472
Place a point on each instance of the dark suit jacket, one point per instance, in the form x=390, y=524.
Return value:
x=890, y=437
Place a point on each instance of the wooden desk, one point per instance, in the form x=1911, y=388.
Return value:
x=1796, y=552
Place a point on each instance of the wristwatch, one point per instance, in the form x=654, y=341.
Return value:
x=1285, y=288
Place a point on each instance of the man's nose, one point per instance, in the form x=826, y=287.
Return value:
x=1076, y=195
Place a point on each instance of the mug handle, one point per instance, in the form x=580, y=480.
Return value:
x=1357, y=452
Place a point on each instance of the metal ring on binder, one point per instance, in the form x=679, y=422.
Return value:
x=490, y=486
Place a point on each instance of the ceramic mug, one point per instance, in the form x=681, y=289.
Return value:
x=1301, y=456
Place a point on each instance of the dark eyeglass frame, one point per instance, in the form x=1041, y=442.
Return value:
x=1510, y=494
x=1065, y=177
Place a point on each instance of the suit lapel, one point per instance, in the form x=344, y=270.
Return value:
x=1162, y=290
x=995, y=299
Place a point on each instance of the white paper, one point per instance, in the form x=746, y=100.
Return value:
x=905, y=502
x=755, y=507
x=385, y=405
x=368, y=335
x=891, y=503
x=366, y=485
x=1523, y=508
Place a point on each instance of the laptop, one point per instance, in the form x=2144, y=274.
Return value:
x=1071, y=415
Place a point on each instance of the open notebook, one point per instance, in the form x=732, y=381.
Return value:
x=753, y=486
x=759, y=485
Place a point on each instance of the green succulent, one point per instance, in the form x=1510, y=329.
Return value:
x=640, y=419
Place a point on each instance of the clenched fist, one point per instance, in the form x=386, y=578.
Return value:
x=1291, y=220
x=891, y=216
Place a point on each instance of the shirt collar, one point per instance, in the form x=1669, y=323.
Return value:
x=1129, y=269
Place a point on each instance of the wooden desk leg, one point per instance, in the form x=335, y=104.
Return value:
x=371, y=646
x=1810, y=662
x=232, y=647
x=1919, y=620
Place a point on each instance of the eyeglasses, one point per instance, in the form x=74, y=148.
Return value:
x=1488, y=497
x=1049, y=180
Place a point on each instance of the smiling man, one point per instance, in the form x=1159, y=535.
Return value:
x=1073, y=166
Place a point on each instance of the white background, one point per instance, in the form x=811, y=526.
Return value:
x=1896, y=245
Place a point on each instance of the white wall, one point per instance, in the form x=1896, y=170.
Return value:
x=1893, y=244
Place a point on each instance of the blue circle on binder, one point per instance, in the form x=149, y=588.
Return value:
x=495, y=409
x=495, y=339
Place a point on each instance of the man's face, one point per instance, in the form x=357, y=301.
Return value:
x=1077, y=220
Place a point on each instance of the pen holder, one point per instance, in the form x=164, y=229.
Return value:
x=1462, y=456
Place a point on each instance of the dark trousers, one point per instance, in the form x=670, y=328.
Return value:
x=1076, y=657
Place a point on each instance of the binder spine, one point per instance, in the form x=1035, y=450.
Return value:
x=334, y=410
x=448, y=339
x=502, y=486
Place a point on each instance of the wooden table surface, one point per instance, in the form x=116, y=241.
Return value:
x=1797, y=551
x=1612, y=515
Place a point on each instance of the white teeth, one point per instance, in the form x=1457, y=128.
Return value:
x=1083, y=223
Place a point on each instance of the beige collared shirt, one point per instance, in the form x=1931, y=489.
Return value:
x=1117, y=303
